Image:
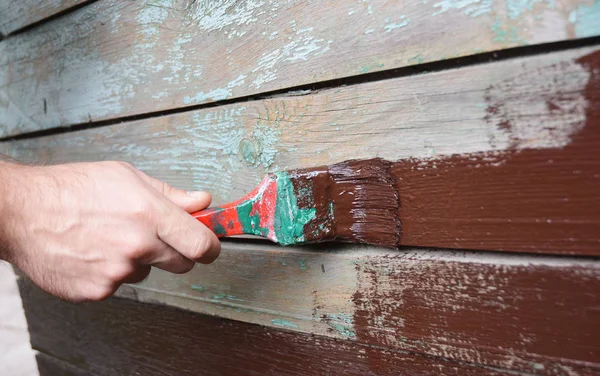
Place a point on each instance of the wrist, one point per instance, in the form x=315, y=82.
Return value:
x=11, y=180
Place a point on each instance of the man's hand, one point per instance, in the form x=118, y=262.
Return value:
x=81, y=230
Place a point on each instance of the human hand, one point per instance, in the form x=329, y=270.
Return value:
x=81, y=230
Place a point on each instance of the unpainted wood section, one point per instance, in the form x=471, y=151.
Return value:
x=117, y=58
x=499, y=156
x=15, y=15
x=121, y=337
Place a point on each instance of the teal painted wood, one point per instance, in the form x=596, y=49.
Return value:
x=117, y=58
x=15, y=15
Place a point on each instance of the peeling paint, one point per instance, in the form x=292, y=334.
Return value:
x=402, y=21
x=284, y=324
x=586, y=19
x=151, y=17
x=267, y=140
x=473, y=8
x=341, y=323
x=216, y=94
x=299, y=49
x=222, y=14
x=516, y=8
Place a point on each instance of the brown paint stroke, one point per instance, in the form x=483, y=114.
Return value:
x=533, y=200
x=521, y=200
x=125, y=337
x=355, y=201
x=533, y=318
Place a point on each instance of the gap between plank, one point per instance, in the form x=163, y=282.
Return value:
x=47, y=19
x=306, y=89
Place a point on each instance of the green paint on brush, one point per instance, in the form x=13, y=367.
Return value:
x=219, y=229
x=250, y=223
x=197, y=287
x=289, y=218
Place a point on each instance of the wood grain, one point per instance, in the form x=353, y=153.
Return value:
x=15, y=15
x=121, y=337
x=50, y=366
x=499, y=156
x=117, y=58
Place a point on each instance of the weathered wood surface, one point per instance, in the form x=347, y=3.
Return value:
x=122, y=337
x=49, y=366
x=499, y=156
x=15, y=15
x=116, y=58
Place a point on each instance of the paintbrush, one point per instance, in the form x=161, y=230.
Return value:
x=354, y=201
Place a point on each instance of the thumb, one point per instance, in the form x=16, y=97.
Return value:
x=189, y=201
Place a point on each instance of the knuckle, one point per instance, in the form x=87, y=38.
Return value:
x=99, y=292
x=137, y=248
x=119, y=273
x=199, y=247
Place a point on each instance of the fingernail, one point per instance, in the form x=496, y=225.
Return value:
x=197, y=194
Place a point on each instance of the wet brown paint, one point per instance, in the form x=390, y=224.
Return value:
x=522, y=200
x=533, y=200
x=355, y=201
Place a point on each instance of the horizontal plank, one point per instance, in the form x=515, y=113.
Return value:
x=499, y=156
x=523, y=313
x=50, y=366
x=122, y=337
x=117, y=58
x=15, y=15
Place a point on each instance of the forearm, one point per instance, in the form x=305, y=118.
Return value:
x=7, y=172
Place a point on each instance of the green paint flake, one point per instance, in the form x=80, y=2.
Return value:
x=516, y=8
x=503, y=33
x=303, y=265
x=473, y=8
x=342, y=323
x=289, y=218
x=284, y=323
x=266, y=139
x=586, y=20
x=368, y=68
x=403, y=21
x=197, y=287
x=248, y=151
x=219, y=297
x=418, y=59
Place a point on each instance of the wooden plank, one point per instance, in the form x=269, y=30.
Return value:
x=499, y=156
x=121, y=337
x=15, y=15
x=517, y=312
x=50, y=366
x=116, y=58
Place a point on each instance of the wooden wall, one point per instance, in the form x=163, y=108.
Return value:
x=490, y=111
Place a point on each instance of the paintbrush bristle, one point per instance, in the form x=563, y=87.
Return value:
x=354, y=201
